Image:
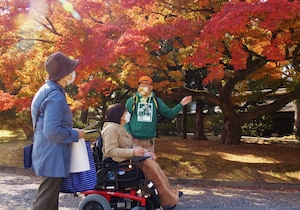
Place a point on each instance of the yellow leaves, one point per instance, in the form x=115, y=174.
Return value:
x=109, y=79
x=131, y=73
x=69, y=99
x=76, y=105
x=186, y=52
x=27, y=91
x=176, y=75
x=18, y=20
x=257, y=39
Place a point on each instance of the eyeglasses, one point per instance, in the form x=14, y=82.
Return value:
x=143, y=84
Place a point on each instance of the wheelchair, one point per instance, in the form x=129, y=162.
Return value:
x=119, y=186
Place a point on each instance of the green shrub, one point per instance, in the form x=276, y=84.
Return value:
x=297, y=132
x=78, y=124
x=257, y=127
x=166, y=129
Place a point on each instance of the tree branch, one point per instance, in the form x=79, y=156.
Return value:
x=40, y=40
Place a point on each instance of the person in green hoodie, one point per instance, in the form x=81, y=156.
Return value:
x=144, y=107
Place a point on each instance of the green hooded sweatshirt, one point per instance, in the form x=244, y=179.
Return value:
x=143, y=119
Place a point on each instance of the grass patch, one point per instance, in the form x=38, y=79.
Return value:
x=188, y=158
x=270, y=162
x=11, y=147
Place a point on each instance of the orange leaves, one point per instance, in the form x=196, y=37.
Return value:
x=91, y=93
x=215, y=72
x=7, y=101
x=270, y=71
x=276, y=49
x=95, y=87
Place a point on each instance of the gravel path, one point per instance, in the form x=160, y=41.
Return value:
x=17, y=191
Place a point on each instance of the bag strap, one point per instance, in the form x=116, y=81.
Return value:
x=36, y=119
x=135, y=101
x=39, y=112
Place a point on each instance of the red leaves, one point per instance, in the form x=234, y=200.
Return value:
x=22, y=3
x=207, y=53
x=241, y=27
x=94, y=87
x=129, y=36
x=6, y=101
x=132, y=44
x=215, y=72
x=239, y=56
x=274, y=52
x=186, y=29
x=274, y=13
x=127, y=4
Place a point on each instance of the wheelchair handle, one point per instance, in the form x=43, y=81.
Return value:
x=91, y=131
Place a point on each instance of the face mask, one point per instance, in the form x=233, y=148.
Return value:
x=73, y=78
x=143, y=91
x=127, y=117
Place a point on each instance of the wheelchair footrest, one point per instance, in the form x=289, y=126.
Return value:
x=148, y=188
x=138, y=208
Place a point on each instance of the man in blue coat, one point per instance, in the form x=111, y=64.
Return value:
x=54, y=133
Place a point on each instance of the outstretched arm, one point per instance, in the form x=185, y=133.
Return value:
x=186, y=100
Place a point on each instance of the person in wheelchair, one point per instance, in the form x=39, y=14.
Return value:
x=118, y=146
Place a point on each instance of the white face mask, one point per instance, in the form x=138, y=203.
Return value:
x=73, y=73
x=127, y=117
x=143, y=91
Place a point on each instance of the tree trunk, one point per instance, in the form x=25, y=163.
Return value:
x=297, y=118
x=28, y=132
x=103, y=111
x=199, y=129
x=184, y=116
x=84, y=116
x=231, y=133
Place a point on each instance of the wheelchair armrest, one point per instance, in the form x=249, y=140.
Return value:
x=135, y=159
x=132, y=161
x=108, y=160
x=139, y=158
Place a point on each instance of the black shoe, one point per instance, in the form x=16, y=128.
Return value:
x=169, y=207
x=180, y=193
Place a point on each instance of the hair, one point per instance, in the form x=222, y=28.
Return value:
x=114, y=113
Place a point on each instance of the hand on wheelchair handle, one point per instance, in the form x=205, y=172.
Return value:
x=80, y=132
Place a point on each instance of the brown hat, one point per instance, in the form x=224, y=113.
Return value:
x=59, y=65
x=146, y=79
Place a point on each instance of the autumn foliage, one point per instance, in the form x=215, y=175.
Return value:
x=242, y=45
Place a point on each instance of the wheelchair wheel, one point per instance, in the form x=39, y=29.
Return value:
x=94, y=202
